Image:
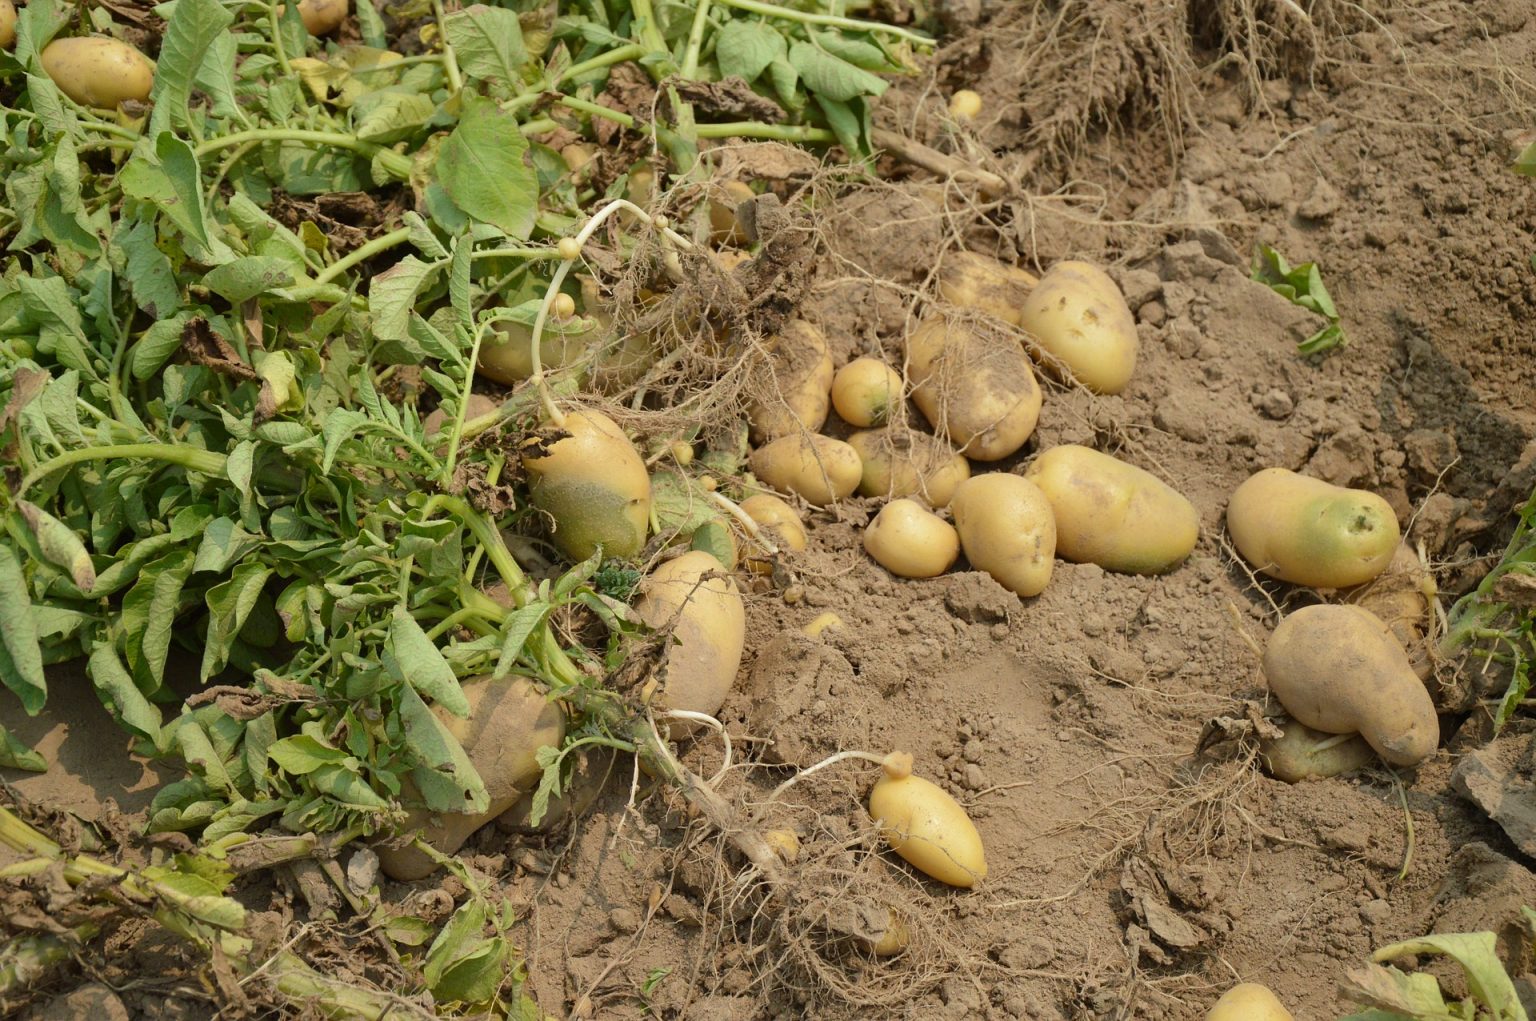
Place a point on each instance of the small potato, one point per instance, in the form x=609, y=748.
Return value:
x=7, y=24
x=1007, y=529
x=865, y=392
x=975, y=281
x=816, y=467
x=710, y=631
x=792, y=388
x=785, y=843
x=1339, y=669
x=1301, y=753
x=506, y=354
x=900, y=462
x=974, y=386
x=965, y=105
x=98, y=72
x=322, y=17
x=509, y=721
x=774, y=514
x=724, y=228
x=1081, y=327
x=1114, y=514
x=895, y=939
x=911, y=541
x=578, y=158
x=1402, y=596
x=1248, y=1002
x=822, y=622
x=594, y=484
x=926, y=826
x=1310, y=532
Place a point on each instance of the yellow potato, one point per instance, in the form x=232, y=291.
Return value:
x=1248, y=1002
x=976, y=387
x=785, y=843
x=1081, y=327
x=322, y=17
x=98, y=72
x=980, y=282
x=774, y=514
x=593, y=765
x=965, y=106
x=823, y=622
x=866, y=391
x=1339, y=669
x=791, y=389
x=578, y=158
x=816, y=467
x=1301, y=753
x=710, y=631
x=7, y=24
x=594, y=485
x=900, y=462
x=724, y=228
x=926, y=826
x=895, y=939
x=1007, y=530
x=911, y=541
x=509, y=721
x=506, y=353
x=1310, y=532
x=1112, y=513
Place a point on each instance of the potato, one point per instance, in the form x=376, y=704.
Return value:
x=98, y=72
x=578, y=157
x=1112, y=513
x=1402, y=596
x=710, y=631
x=724, y=228
x=1081, y=328
x=823, y=622
x=980, y=282
x=593, y=764
x=7, y=24
x=791, y=389
x=785, y=843
x=779, y=517
x=866, y=391
x=895, y=939
x=595, y=486
x=621, y=361
x=476, y=406
x=816, y=467
x=1339, y=669
x=1248, y=1002
x=1301, y=753
x=1310, y=532
x=322, y=17
x=902, y=462
x=506, y=353
x=965, y=106
x=1007, y=529
x=974, y=386
x=911, y=541
x=509, y=721
x=926, y=826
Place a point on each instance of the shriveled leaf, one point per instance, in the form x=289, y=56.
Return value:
x=16, y=755
x=1478, y=955
x=21, y=658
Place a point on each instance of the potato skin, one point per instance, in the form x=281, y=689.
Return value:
x=1401, y=596
x=1301, y=753
x=98, y=72
x=928, y=828
x=902, y=462
x=594, y=484
x=911, y=541
x=793, y=388
x=975, y=386
x=710, y=632
x=1248, y=1002
x=476, y=405
x=1007, y=529
x=1112, y=513
x=1081, y=327
x=771, y=512
x=816, y=467
x=1310, y=532
x=7, y=24
x=980, y=282
x=1339, y=669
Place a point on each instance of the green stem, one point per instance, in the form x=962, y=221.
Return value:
x=756, y=129
x=193, y=459
x=362, y=254
x=829, y=20
x=516, y=253
x=397, y=164
x=277, y=39
x=450, y=60
x=633, y=51
x=651, y=38
x=690, y=68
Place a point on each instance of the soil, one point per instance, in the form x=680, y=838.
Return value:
x=1131, y=874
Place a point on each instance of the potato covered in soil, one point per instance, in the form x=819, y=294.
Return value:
x=1112, y=513
x=926, y=826
x=1081, y=328
x=975, y=281
x=709, y=633
x=1402, y=596
x=911, y=541
x=816, y=467
x=724, y=228
x=866, y=391
x=898, y=462
x=792, y=390
x=7, y=24
x=1248, y=1002
x=973, y=385
x=1301, y=753
x=98, y=72
x=778, y=517
x=589, y=769
x=1339, y=669
x=509, y=721
x=1310, y=532
x=594, y=485
x=1007, y=530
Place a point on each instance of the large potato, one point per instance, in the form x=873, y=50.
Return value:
x=974, y=386
x=509, y=721
x=1007, y=530
x=1339, y=669
x=911, y=541
x=792, y=388
x=900, y=462
x=1081, y=327
x=816, y=467
x=7, y=24
x=1310, y=532
x=1114, y=514
x=973, y=280
x=1249, y=1001
x=98, y=72
x=710, y=631
x=506, y=353
x=594, y=485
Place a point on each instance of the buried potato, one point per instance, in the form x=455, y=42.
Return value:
x=1248, y=1001
x=975, y=281
x=778, y=517
x=1310, y=532
x=792, y=388
x=1301, y=753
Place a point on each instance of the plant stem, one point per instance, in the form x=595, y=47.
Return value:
x=829, y=20
x=275, y=23
x=757, y=129
x=362, y=254
x=450, y=60
x=397, y=164
x=690, y=68
x=651, y=37
x=193, y=459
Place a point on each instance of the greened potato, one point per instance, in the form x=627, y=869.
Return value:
x=911, y=541
x=593, y=483
x=709, y=635
x=792, y=389
x=901, y=462
x=98, y=72
x=1081, y=327
x=974, y=385
x=7, y=24
x=866, y=391
x=926, y=826
x=975, y=281
x=1301, y=753
x=1248, y=1002
x=1339, y=669
x=506, y=353
x=813, y=466
x=777, y=516
x=1310, y=532
x=1007, y=530
x=1112, y=513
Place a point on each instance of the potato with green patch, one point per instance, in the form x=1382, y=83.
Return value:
x=592, y=482
x=898, y=462
x=866, y=392
x=1081, y=328
x=1310, y=532
x=1007, y=530
x=974, y=385
x=98, y=72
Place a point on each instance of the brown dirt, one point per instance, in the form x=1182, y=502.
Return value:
x=1129, y=877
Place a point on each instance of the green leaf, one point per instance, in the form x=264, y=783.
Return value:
x=859, y=52
x=1478, y=955
x=121, y=697
x=229, y=604
x=392, y=296
x=21, y=658
x=1301, y=285
x=422, y=238
x=746, y=48
x=786, y=83
x=549, y=759
x=57, y=117
x=844, y=122
x=302, y=754
x=370, y=25
x=421, y=664
x=485, y=169
x=520, y=624
x=446, y=778
x=477, y=975
x=151, y=280
x=216, y=76
x=831, y=77
x=340, y=425
x=249, y=276
x=488, y=42
x=158, y=343
x=189, y=34
x=171, y=180
x=342, y=782
x=156, y=600
x=15, y=755
x=389, y=117
x=59, y=544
